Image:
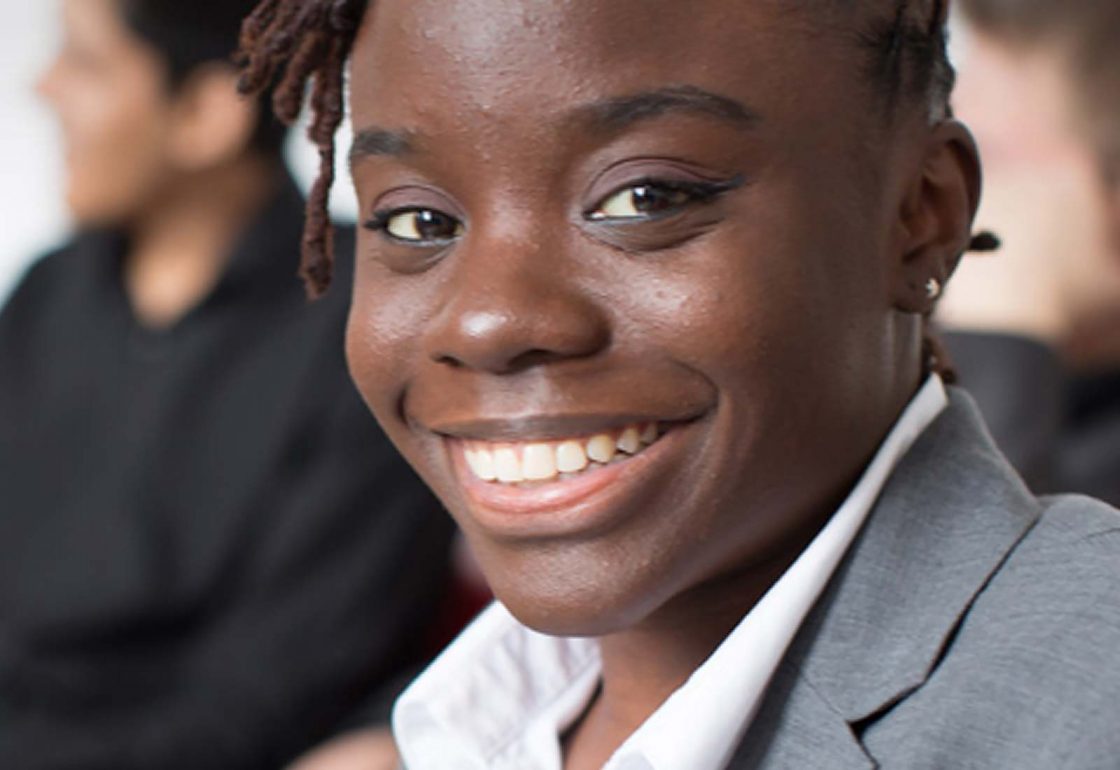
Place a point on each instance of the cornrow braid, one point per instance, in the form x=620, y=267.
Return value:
x=910, y=59
x=293, y=43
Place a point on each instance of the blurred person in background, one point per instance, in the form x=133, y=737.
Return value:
x=1037, y=325
x=210, y=556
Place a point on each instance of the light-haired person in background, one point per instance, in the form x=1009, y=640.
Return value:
x=1038, y=323
x=210, y=556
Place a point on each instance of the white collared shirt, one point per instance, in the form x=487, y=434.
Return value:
x=501, y=696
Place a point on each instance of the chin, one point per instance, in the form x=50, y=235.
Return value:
x=93, y=206
x=88, y=214
x=565, y=591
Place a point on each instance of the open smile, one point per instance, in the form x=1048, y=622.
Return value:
x=528, y=462
x=562, y=485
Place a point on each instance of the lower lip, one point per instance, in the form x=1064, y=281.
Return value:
x=581, y=501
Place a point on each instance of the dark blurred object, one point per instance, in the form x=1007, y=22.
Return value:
x=1060, y=431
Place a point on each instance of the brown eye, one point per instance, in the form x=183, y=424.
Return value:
x=643, y=201
x=421, y=226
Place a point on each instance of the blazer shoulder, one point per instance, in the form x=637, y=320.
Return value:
x=1075, y=534
x=1031, y=676
x=1063, y=575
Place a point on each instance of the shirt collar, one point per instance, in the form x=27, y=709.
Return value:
x=501, y=695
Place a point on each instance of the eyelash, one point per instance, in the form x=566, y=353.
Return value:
x=697, y=193
x=380, y=220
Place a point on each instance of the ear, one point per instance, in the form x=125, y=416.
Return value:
x=935, y=220
x=213, y=123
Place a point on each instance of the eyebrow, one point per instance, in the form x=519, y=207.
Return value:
x=379, y=142
x=610, y=115
x=618, y=113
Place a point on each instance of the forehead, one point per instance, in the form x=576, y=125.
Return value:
x=416, y=61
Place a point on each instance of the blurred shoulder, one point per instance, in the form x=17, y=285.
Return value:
x=55, y=278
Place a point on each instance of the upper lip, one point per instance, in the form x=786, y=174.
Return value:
x=547, y=427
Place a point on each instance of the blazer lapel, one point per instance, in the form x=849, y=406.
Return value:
x=798, y=728
x=950, y=514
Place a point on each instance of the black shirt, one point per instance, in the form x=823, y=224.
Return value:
x=209, y=552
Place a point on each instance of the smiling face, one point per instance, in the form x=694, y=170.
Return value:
x=626, y=297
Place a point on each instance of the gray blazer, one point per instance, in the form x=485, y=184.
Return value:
x=972, y=625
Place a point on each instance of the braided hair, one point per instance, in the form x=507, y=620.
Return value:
x=288, y=44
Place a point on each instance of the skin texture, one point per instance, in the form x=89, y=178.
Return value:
x=1057, y=276
x=776, y=326
x=173, y=168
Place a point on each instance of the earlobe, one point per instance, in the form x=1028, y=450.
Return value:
x=213, y=123
x=936, y=217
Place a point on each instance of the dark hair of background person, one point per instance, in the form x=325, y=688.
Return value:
x=1087, y=34
x=190, y=34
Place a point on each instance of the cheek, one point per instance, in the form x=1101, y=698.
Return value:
x=382, y=339
x=369, y=354
x=739, y=306
x=115, y=136
x=383, y=352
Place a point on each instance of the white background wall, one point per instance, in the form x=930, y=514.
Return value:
x=32, y=212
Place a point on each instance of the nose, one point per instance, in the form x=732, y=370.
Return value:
x=510, y=307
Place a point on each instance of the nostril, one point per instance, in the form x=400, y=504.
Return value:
x=531, y=358
x=516, y=363
x=448, y=360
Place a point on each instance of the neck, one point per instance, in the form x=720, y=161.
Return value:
x=183, y=240
x=642, y=666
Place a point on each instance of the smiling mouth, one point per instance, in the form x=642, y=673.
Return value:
x=531, y=463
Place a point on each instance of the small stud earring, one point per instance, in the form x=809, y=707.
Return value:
x=933, y=288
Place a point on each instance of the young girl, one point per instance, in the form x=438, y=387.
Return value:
x=641, y=294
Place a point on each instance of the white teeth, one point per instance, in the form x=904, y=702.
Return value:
x=481, y=462
x=543, y=461
x=486, y=470
x=472, y=461
x=601, y=448
x=630, y=441
x=507, y=466
x=538, y=462
x=570, y=457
